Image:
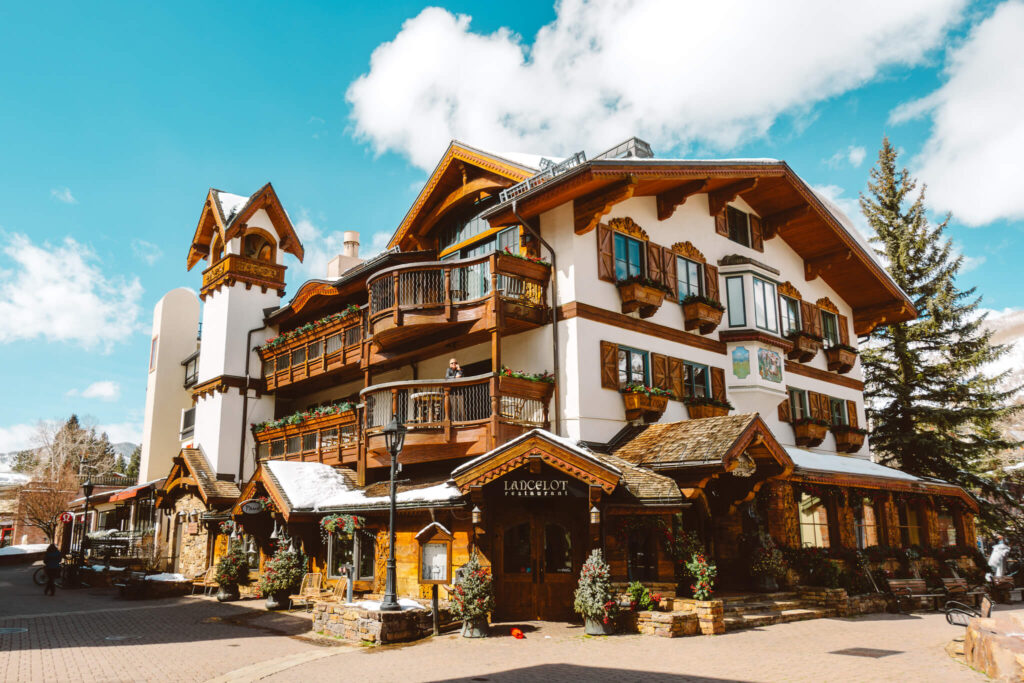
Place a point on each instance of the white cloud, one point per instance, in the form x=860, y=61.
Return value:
x=146, y=251
x=970, y=262
x=118, y=432
x=17, y=437
x=322, y=245
x=61, y=293
x=63, y=195
x=974, y=158
x=105, y=390
x=852, y=155
x=709, y=75
x=1007, y=326
x=849, y=206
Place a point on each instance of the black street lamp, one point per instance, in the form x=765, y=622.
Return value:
x=87, y=489
x=394, y=437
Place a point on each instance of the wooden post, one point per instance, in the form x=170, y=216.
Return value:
x=447, y=417
x=448, y=293
x=495, y=403
x=434, y=607
x=394, y=279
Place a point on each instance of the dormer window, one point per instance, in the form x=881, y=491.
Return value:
x=629, y=257
x=739, y=226
x=257, y=248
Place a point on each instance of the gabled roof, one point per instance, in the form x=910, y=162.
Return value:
x=462, y=176
x=224, y=215
x=190, y=470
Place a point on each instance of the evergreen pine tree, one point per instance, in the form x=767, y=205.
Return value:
x=932, y=407
x=131, y=470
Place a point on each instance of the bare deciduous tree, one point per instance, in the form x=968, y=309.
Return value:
x=41, y=503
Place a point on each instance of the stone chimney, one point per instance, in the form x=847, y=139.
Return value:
x=347, y=259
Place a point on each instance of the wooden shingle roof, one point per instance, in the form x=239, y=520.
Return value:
x=704, y=441
x=643, y=485
x=210, y=488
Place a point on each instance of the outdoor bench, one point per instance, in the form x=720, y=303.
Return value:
x=912, y=589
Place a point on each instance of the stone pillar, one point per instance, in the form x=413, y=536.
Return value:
x=783, y=523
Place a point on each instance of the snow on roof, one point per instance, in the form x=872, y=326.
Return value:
x=568, y=444
x=315, y=486
x=230, y=204
x=430, y=526
x=847, y=464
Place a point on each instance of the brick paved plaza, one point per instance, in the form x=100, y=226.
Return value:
x=92, y=635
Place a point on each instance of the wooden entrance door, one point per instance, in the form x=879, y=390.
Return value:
x=537, y=566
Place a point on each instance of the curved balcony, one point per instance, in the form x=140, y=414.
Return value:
x=332, y=351
x=330, y=439
x=452, y=418
x=420, y=303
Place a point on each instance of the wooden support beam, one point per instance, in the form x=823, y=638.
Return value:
x=670, y=200
x=867, y=318
x=723, y=195
x=772, y=223
x=813, y=267
x=589, y=209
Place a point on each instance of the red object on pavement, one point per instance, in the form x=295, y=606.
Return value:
x=517, y=634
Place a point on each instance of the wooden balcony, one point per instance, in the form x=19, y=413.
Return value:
x=330, y=439
x=332, y=351
x=415, y=305
x=452, y=418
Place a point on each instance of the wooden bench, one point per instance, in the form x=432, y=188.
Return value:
x=309, y=591
x=957, y=589
x=912, y=589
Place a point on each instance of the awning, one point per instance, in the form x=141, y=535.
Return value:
x=134, y=491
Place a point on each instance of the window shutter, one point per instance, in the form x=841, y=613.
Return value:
x=784, y=412
x=609, y=365
x=756, y=236
x=819, y=406
x=718, y=383
x=711, y=282
x=654, y=269
x=675, y=376
x=721, y=224
x=668, y=265
x=844, y=330
x=851, y=413
x=605, y=254
x=810, y=318
x=659, y=371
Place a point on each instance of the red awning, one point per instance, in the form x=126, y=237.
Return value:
x=134, y=491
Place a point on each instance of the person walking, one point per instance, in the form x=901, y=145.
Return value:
x=51, y=561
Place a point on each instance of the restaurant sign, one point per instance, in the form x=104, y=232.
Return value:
x=538, y=487
x=252, y=507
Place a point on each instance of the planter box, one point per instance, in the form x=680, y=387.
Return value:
x=523, y=268
x=700, y=316
x=641, y=298
x=840, y=360
x=847, y=440
x=810, y=434
x=805, y=347
x=698, y=412
x=516, y=386
x=649, y=408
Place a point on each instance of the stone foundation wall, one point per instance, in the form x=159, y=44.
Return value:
x=871, y=603
x=358, y=625
x=193, y=554
x=829, y=598
x=661, y=624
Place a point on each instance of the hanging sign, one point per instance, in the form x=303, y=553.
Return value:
x=252, y=507
x=538, y=487
x=66, y=517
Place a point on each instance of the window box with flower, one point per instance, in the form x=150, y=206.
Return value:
x=537, y=386
x=641, y=294
x=810, y=431
x=840, y=358
x=848, y=439
x=648, y=403
x=705, y=406
x=523, y=265
x=702, y=313
x=805, y=346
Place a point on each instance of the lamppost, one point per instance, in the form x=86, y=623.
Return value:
x=87, y=489
x=394, y=436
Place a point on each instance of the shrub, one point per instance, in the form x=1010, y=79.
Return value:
x=283, y=572
x=473, y=595
x=593, y=598
x=703, y=573
x=233, y=568
x=639, y=596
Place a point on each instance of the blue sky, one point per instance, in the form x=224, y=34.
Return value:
x=116, y=119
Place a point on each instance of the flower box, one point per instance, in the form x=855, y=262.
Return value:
x=523, y=267
x=805, y=346
x=649, y=408
x=848, y=439
x=840, y=358
x=525, y=388
x=702, y=316
x=810, y=433
x=699, y=411
x=641, y=297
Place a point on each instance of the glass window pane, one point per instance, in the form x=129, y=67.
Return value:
x=634, y=257
x=309, y=441
x=759, y=313
x=434, y=562
x=623, y=365
x=696, y=281
x=700, y=381
x=621, y=263
x=367, y=544
x=292, y=444
x=734, y=294
x=771, y=307
x=516, y=555
x=314, y=349
x=636, y=367
x=557, y=549
x=813, y=522
x=340, y=552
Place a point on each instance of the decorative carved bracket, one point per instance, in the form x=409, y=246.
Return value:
x=819, y=264
x=687, y=250
x=589, y=209
x=629, y=226
x=670, y=200
x=827, y=304
x=771, y=224
x=787, y=289
x=866, y=319
x=723, y=195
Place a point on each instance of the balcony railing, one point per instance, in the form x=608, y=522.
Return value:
x=320, y=351
x=471, y=412
x=332, y=439
x=456, y=292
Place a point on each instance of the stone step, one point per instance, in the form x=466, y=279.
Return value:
x=766, y=606
x=759, y=597
x=734, y=622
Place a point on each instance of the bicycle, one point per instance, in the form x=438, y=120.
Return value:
x=69, y=576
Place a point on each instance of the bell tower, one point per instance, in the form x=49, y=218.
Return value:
x=244, y=240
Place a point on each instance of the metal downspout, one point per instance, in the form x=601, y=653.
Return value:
x=245, y=402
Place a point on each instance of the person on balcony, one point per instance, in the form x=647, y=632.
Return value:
x=454, y=370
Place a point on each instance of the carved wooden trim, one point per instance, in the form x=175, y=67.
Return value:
x=589, y=209
x=670, y=200
x=773, y=223
x=813, y=267
x=822, y=375
x=628, y=226
x=224, y=382
x=866, y=319
x=718, y=199
x=687, y=250
x=827, y=304
x=234, y=268
x=309, y=291
x=756, y=336
x=787, y=289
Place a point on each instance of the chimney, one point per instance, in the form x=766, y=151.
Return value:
x=347, y=259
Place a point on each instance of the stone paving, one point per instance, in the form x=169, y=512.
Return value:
x=92, y=635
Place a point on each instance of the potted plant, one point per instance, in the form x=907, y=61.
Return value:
x=805, y=346
x=640, y=597
x=706, y=406
x=710, y=612
x=848, y=439
x=641, y=294
x=232, y=572
x=767, y=564
x=523, y=265
x=840, y=358
x=593, y=599
x=281, y=576
x=645, y=402
x=810, y=431
x=473, y=598
x=537, y=385
x=701, y=312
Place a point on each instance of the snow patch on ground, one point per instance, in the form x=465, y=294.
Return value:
x=24, y=549
x=373, y=605
x=167, y=577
